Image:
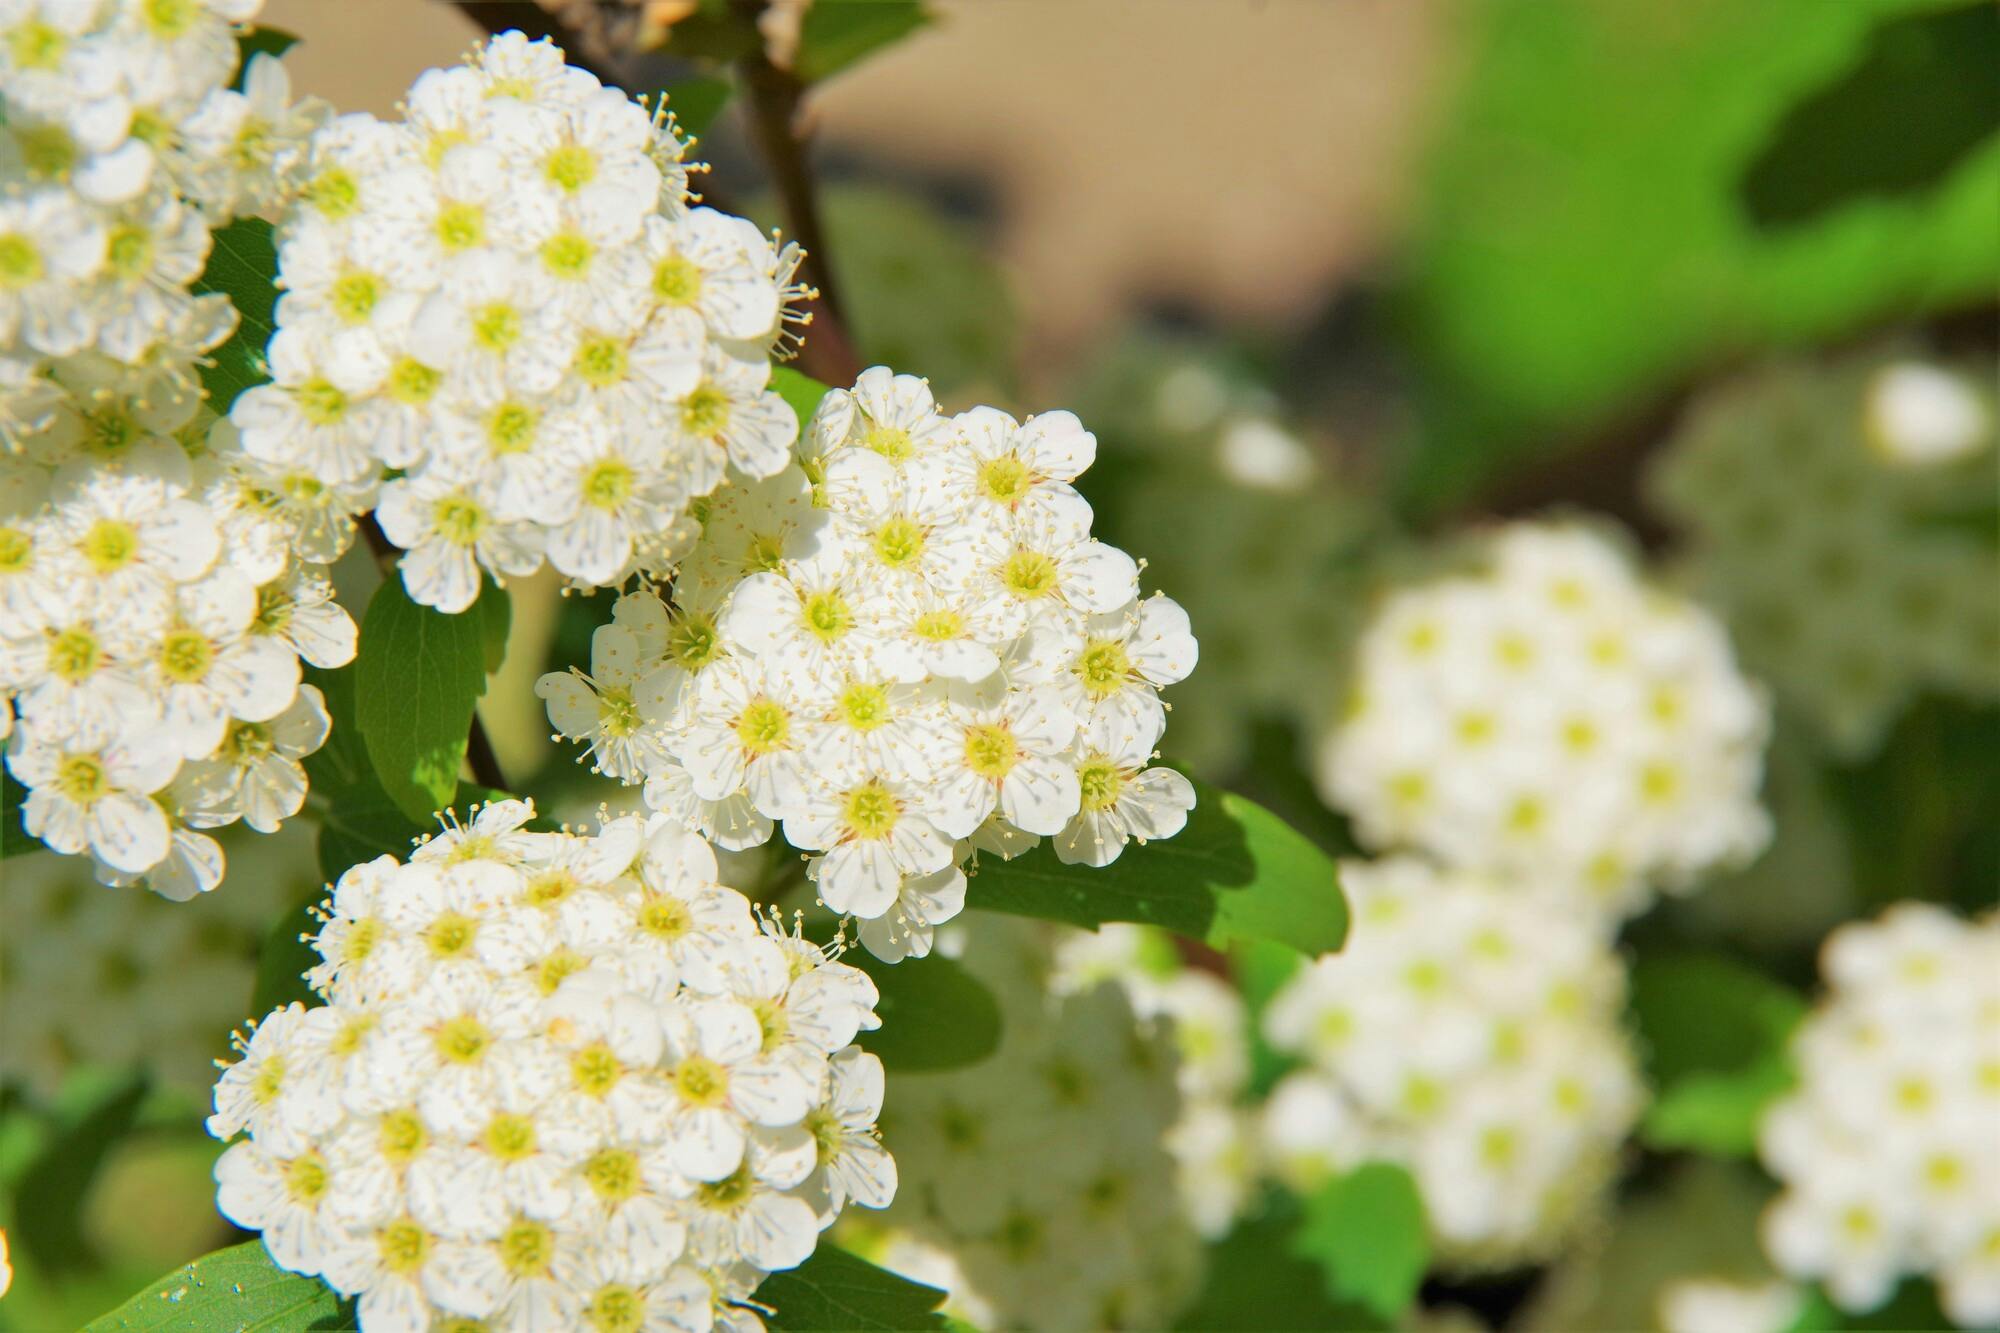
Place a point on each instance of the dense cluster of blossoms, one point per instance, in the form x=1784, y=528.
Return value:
x=121, y=146
x=907, y=649
x=1036, y=1189
x=506, y=298
x=558, y=1081
x=1553, y=719
x=1817, y=505
x=95, y=978
x=1886, y=1148
x=1213, y=1141
x=1476, y=1043
x=157, y=588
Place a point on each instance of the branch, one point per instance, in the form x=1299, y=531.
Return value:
x=774, y=95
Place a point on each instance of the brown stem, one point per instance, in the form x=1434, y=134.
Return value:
x=774, y=95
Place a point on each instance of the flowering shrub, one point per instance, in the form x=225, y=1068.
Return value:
x=885, y=961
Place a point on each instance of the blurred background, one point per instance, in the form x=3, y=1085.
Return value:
x=1332, y=280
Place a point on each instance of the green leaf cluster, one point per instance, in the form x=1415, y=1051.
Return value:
x=1713, y=1034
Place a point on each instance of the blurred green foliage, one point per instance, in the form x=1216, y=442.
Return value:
x=1584, y=239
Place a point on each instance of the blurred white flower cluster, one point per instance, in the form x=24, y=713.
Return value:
x=1244, y=521
x=122, y=145
x=94, y=978
x=1213, y=1140
x=506, y=297
x=1887, y=1148
x=1038, y=1192
x=1475, y=1044
x=157, y=590
x=907, y=650
x=1555, y=721
x=1818, y=506
x=558, y=1080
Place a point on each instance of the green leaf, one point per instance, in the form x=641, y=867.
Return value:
x=837, y=33
x=284, y=959
x=1582, y=244
x=495, y=610
x=242, y=265
x=697, y=102
x=1929, y=75
x=417, y=678
x=1713, y=1035
x=14, y=836
x=1365, y=1230
x=259, y=41
x=1236, y=872
x=935, y=1014
x=1260, y=968
x=801, y=391
x=237, y=1288
x=1255, y=1282
x=835, y=1290
x=55, y=1185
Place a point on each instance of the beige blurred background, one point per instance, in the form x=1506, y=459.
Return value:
x=1111, y=187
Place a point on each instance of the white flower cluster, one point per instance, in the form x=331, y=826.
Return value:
x=1554, y=720
x=1213, y=1141
x=1036, y=1188
x=559, y=1081
x=90, y=977
x=156, y=592
x=1887, y=1149
x=507, y=297
x=1473, y=1042
x=908, y=650
x=122, y=145
x=1818, y=508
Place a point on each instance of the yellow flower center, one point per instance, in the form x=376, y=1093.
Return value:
x=334, y=192
x=461, y=226
x=665, y=918
x=870, y=811
x=570, y=167
x=462, y=1040
x=402, y=1136
x=608, y=484
x=991, y=751
x=567, y=255
x=1103, y=667
x=705, y=412
x=864, y=707
x=701, y=1082
x=1028, y=574
x=828, y=616
x=496, y=327
x=320, y=402
x=764, y=727
x=354, y=296
x=450, y=935
x=616, y=1309
x=676, y=281
x=37, y=45
x=1004, y=480
x=595, y=1070
x=80, y=778
x=613, y=1174
x=17, y=550
x=110, y=545
x=403, y=1245
x=306, y=1177
x=892, y=442
x=74, y=654
x=459, y=520
x=527, y=1248
x=185, y=656
x=899, y=542
x=510, y=1137
x=1100, y=782
x=130, y=251
x=601, y=361
x=413, y=383
x=692, y=640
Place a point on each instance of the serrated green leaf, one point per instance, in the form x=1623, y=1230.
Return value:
x=56, y=1182
x=259, y=41
x=1236, y=872
x=697, y=102
x=238, y=1288
x=284, y=959
x=417, y=678
x=837, y=33
x=834, y=1290
x=1713, y=1035
x=802, y=392
x=935, y=1014
x=242, y=265
x=1366, y=1232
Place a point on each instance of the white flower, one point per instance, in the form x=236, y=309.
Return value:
x=730, y=417
x=1119, y=798
x=1882, y=1147
x=1554, y=718
x=448, y=535
x=49, y=249
x=875, y=832
x=619, y=707
x=206, y=668
x=254, y=773
x=97, y=794
x=1469, y=1037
